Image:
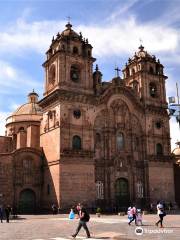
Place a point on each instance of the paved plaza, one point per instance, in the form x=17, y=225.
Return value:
x=59, y=227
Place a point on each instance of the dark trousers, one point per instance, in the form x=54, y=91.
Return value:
x=134, y=218
x=80, y=225
x=7, y=217
x=1, y=217
x=161, y=219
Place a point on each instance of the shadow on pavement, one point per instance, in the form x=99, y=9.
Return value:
x=17, y=218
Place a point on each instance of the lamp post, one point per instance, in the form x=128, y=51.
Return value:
x=174, y=106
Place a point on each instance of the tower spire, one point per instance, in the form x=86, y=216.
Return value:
x=69, y=25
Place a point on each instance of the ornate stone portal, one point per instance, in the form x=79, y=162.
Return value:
x=102, y=143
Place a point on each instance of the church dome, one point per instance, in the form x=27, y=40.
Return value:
x=176, y=151
x=31, y=107
x=29, y=111
x=68, y=32
x=28, y=108
x=142, y=54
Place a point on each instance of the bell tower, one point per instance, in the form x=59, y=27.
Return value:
x=145, y=75
x=65, y=138
x=69, y=63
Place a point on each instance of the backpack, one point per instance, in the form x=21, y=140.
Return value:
x=86, y=217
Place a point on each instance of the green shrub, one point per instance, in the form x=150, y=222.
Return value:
x=98, y=210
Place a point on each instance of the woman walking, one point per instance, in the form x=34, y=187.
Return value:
x=161, y=213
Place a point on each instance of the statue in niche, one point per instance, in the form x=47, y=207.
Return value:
x=98, y=146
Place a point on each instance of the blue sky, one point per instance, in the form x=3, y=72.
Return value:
x=113, y=27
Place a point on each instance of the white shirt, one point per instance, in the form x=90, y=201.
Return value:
x=159, y=208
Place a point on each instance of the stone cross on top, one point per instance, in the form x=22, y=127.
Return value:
x=69, y=19
x=117, y=70
x=141, y=41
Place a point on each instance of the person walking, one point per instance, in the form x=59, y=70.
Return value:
x=54, y=209
x=72, y=214
x=7, y=211
x=133, y=212
x=129, y=214
x=161, y=213
x=83, y=219
x=1, y=214
x=139, y=217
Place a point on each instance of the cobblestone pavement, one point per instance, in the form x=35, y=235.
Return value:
x=59, y=227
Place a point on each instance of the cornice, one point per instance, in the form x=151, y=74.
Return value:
x=160, y=158
x=60, y=95
x=156, y=109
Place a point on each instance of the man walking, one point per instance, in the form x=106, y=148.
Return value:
x=83, y=219
x=7, y=211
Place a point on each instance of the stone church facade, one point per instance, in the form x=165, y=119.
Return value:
x=102, y=143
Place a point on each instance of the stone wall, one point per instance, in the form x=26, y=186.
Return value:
x=5, y=144
x=77, y=184
x=6, y=179
x=161, y=182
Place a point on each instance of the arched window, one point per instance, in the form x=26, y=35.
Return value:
x=89, y=53
x=75, y=73
x=98, y=138
x=21, y=129
x=76, y=143
x=153, y=89
x=127, y=72
x=157, y=69
x=133, y=71
x=151, y=70
x=120, y=141
x=75, y=50
x=50, y=115
x=159, y=149
x=52, y=74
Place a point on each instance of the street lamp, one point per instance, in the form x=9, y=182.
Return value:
x=174, y=106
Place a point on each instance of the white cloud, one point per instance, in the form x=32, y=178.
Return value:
x=111, y=38
x=174, y=132
x=123, y=38
x=11, y=78
x=22, y=36
x=3, y=116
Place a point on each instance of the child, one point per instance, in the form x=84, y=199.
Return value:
x=71, y=214
x=139, y=217
x=129, y=213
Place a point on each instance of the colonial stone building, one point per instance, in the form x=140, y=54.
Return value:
x=176, y=153
x=101, y=143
